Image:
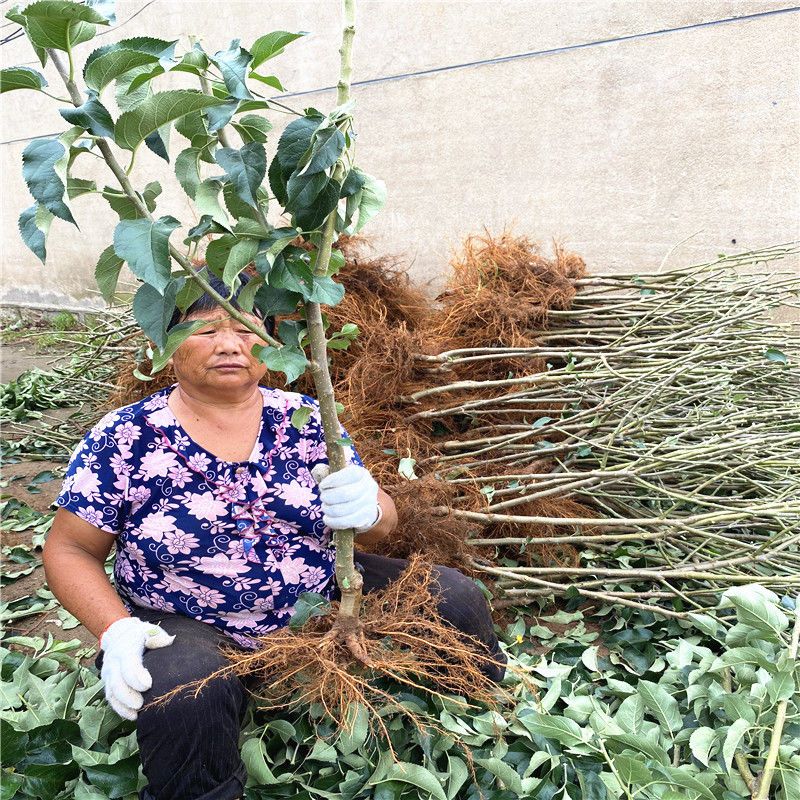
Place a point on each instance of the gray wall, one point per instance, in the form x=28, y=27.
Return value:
x=621, y=128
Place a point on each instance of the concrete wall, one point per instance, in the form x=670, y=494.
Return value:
x=621, y=128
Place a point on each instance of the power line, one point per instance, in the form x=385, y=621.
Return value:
x=498, y=59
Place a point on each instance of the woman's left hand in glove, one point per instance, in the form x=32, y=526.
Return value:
x=350, y=499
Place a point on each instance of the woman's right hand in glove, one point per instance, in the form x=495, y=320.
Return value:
x=123, y=644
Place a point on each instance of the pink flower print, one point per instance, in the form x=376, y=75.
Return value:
x=304, y=449
x=284, y=527
x=157, y=463
x=314, y=576
x=313, y=544
x=180, y=542
x=162, y=418
x=157, y=601
x=86, y=483
x=220, y=566
x=154, y=526
x=180, y=475
x=242, y=619
x=91, y=515
x=291, y=569
x=319, y=452
x=127, y=433
x=231, y=492
x=294, y=494
x=207, y=597
x=175, y=582
x=159, y=401
x=199, y=461
x=284, y=612
x=248, y=641
x=244, y=584
x=181, y=440
x=138, y=496
x=205, y=506
x=306, y=478
x=135, y=554
x=119, y=462
x=124, y=569
x=264, y=603
x=271, y=585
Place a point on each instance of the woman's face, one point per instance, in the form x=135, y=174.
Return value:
x=217, y=356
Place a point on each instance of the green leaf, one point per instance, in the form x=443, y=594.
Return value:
x=271, y=45
x=630, y=714
x=245, y=169
x=15, y=78
x=289, y=360
x=773, y=354
x=561, y=729
x=45, y=781
x=781, y=687
x=162, y=107
x=300, y=417
x=732, y=739
x=10, y=784
x=110, y=66
x=681, y=777
x=219, y=116
x=253, y=758
x=328, y=292
x=700, y=743
x=295, y=140
x=40, y=170
x=270, y=80
x=153, y=310
x=232, y=63
x=121, y=203
x=115, y=780
x=79, y=186
x=60, y=24
x=271, y=300
x=206, y=200
x=252, y=128
x=415, y=775
x=92, y=116
x=661, y=704
x=641, y=744
x=34, y=225
x=506, y=773
x=631, y=769
x=314, y=216
x=355, y=730
x=175, y=338
x=144, y=245
x=302, y=190
x=241, y=254
x=371, y=198
x=187, y=170
x=106, y=273
x=756, y=608
x=327, y=146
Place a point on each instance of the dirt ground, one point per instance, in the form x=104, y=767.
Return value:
x=16, y=479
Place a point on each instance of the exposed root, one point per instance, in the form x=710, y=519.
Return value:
x=406, y=640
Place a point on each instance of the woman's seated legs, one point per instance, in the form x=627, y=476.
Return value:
x=189, y=746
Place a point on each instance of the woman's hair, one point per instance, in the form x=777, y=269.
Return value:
x=207, y=303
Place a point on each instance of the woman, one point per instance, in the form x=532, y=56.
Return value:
x=206, y=489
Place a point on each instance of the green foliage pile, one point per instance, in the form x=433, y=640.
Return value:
x=642, y=707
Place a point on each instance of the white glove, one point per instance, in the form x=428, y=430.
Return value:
x=123, y=643
x=349, y=499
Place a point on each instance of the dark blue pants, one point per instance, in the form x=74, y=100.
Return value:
x=189, y=747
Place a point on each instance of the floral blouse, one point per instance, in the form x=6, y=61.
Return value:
x=230, y=544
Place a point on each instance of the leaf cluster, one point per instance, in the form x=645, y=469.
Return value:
x=224, y=171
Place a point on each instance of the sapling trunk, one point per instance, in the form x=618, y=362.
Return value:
x=348, y=578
